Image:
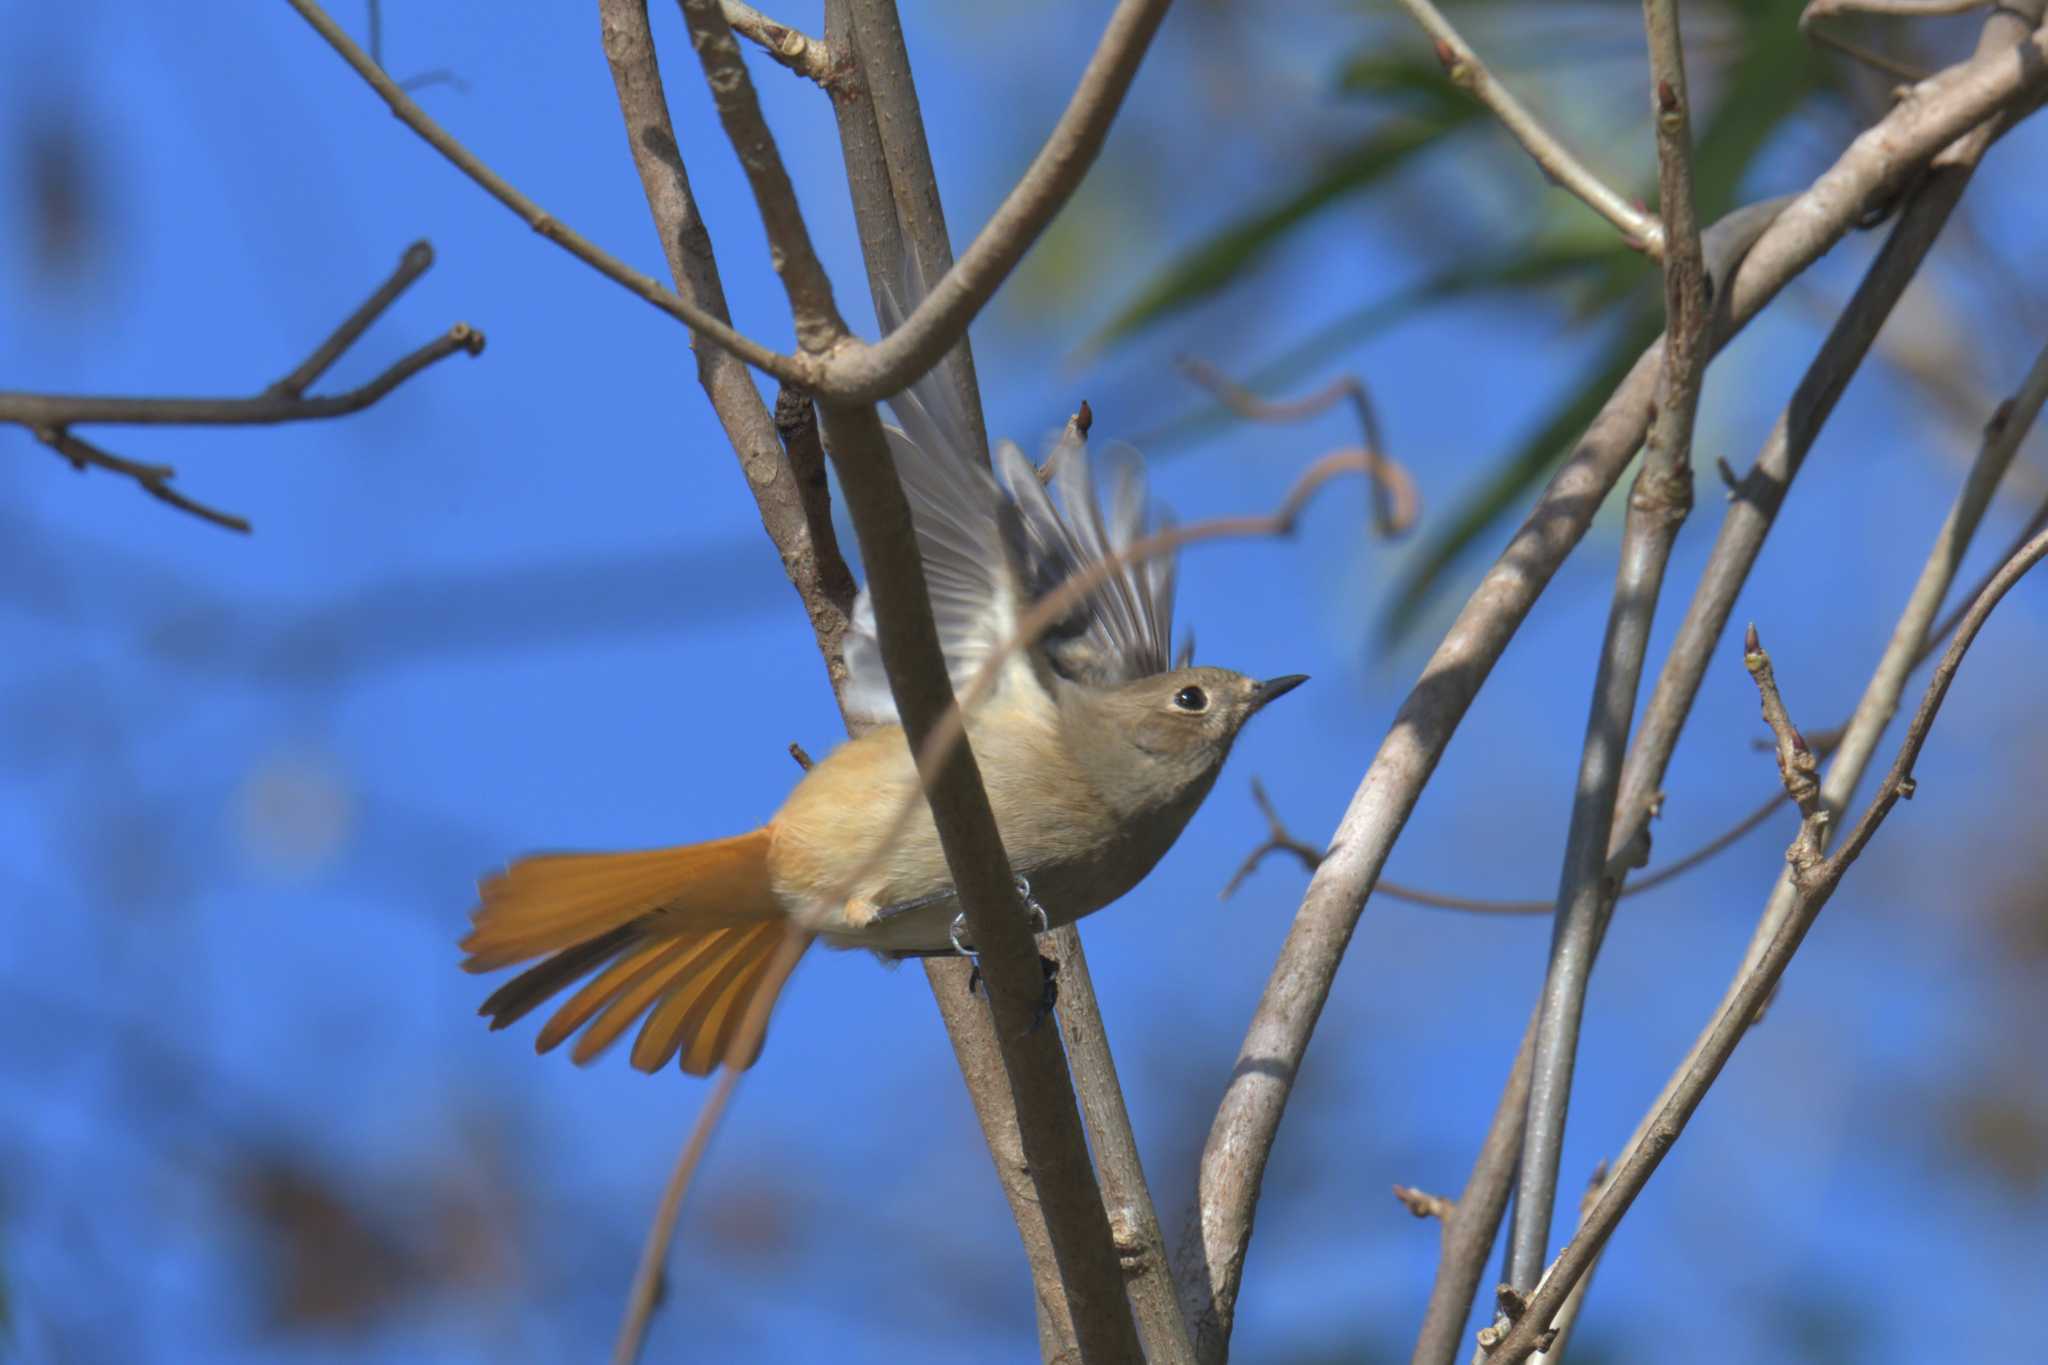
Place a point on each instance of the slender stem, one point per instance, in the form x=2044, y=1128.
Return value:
x=876, y=34
x=868, y=373
x=647, y=1276
x=1751, y=512
x=1658, y=506
x=1465, y=69
x=1696, y=1075
x=273, y=406
x=1211, y=1260
x=1474, y=1221
x=1241, y=1137
x=818, y=324
x=1048, y=1117
x=804, y=55
x=797, y=369
x=50, y=416
x=1133, y=1221
x=789, y=494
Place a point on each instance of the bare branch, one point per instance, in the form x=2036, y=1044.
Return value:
x=647, y=1276
x=899, y=150
x=1638, y=228
x=1928, y=205
x=796, y=369
x=1280, y=839
x=1874, y=165
x=49, y=416
x=1658, y=505
x=1474, y=1221
x=1425, y=1205
x=1697, y=1074
x=153, y=479
x=1048, y=1118
x=1396, y=504
x=788, y=485
x=806, y=56
x=818, y=324
x=869, y=373
x=1133, y=1221
x=1909, y=9
x=1233, y=1163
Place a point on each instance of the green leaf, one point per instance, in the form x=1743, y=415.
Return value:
x=1509, y=483
x=1538, y=268
x=1229, y=254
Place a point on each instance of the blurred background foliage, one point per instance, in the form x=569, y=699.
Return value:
x=245, y=785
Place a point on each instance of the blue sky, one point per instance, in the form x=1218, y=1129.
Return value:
x=246, y=785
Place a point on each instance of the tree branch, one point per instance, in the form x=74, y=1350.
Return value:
x=1753, y=988
x=1466, y=71
x=1133, y=1221
x=868, y=373
x=806, y=56
x=788, y=487
x=818, y=325
x=1247, y=1121
x=895, y=119
x=49, y=416
x=1751, y=513
x=1048, y=1119
x=797, y=369
x=1657, y=507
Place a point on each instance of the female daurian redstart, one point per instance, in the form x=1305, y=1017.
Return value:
x=1094, y=749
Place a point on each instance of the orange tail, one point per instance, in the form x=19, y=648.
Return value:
x=691, y=937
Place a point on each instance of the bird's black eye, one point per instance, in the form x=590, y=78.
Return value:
x=1191, y=699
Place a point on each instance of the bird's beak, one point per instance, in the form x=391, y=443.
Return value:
x=1276, y=687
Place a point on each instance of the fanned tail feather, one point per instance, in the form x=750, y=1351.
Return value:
x=689, y=937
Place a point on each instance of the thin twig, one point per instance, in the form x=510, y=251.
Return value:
x=806, y=56
x=1658, y=505
x=1697, y=1074
x=1759, y=496
x=1048, y=1116
x=1638, y=228
x=784, y=468
x=1212, y=1255
x=1396, y=503
x=646, y=1292
x=818, y=325
x=49, y=416
x=1240, y=1139
x=1133, y=1220
x=1907, y=9
x=1055, y=173
x=873, y=31
x=153, y=479
x=798, y=369
x=869, y=154
x=1280, y=839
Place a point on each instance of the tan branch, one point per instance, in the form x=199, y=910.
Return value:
x=50, y=416
x=797, y=369
x=1697, y=1074
x=806, y=56
x=1638, y=228
x=1397, y=506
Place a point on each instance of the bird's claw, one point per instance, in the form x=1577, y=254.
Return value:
x=956, y=934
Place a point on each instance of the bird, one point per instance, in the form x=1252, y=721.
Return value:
x=1096, y=747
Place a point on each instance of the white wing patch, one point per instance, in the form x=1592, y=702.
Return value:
x=988, y=555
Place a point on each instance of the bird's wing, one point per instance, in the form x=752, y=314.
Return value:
x=989, y=555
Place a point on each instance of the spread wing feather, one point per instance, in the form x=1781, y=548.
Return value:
x=988, y=554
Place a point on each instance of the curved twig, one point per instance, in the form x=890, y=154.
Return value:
x=1752, y=989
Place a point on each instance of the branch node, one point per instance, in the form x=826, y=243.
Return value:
x=1425, y=1205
